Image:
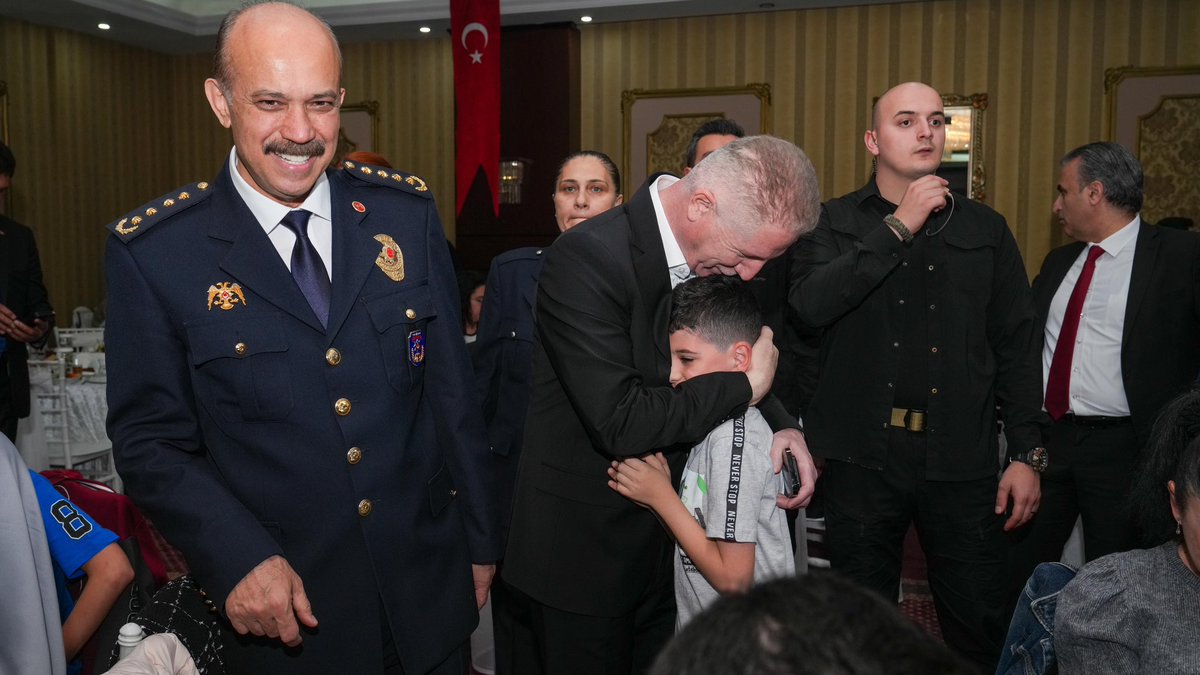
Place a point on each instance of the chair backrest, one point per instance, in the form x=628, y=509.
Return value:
x=83, y=339
x=73, y=420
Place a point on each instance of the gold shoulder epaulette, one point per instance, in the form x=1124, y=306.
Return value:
x=383, y=176
x=156, y=210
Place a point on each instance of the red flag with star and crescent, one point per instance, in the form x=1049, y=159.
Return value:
x=475, y=29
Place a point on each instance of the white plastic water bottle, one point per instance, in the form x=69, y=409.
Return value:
x=127, y=638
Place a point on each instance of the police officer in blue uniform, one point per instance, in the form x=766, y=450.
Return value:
x=290, y=398
x=588, y=184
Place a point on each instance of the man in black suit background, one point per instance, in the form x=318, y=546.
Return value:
x=24, y=306
x=1133, y=290
x=591, y=570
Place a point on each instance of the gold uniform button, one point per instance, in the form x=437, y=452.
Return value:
x=333, y=356
x=240, y=348
x=342, y=407
x=354, y=456
x=410, y=314
x=364, y=508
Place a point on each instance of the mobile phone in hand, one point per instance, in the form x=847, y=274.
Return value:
x=789, y=477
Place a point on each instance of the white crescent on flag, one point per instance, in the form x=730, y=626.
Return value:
x=476, y=56
x=471, y=28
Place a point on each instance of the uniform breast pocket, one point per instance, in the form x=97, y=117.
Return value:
x=402, y=320
x=240, y=368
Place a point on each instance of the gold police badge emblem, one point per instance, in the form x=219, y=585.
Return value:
x=390, y=259
x=225, y=295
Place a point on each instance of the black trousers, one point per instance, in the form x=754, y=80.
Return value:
x=868, y=512
x=536, y=639
x=1090, y=472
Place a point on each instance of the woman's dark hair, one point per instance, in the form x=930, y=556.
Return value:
x=614, y=174
x=1173, y=453
x=468, y=281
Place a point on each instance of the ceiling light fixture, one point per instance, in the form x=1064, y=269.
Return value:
x=585, y=19
x=103, y=26
x=424, y=29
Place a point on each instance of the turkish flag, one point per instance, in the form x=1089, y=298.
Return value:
x=475, y=28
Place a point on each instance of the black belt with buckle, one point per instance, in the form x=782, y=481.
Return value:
x=1095, y=422
x=912, y=420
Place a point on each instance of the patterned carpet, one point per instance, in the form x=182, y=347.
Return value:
x=916, y=601
x=917, y=604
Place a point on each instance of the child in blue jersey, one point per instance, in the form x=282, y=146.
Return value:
x=80, y=547
x=729, y=532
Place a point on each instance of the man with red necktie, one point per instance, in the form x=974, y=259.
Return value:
x=1121, y=309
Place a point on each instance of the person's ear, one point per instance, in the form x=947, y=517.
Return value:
x=620, y=200
x=742, y=352
x=1176, y=513
x=1094, y=192
x=871, y=141
x=218, y=102
x=700, y=204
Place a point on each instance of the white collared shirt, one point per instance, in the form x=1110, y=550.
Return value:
x=269, y=212
x=670, y=246
x=1097, y=385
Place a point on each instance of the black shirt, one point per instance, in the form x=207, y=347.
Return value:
x=946, y=323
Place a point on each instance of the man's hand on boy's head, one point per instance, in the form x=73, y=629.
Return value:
x=762, y=366
x=642, y=480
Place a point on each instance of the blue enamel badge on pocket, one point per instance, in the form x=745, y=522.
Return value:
x=416, y=347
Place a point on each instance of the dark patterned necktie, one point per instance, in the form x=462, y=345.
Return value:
x=307, y=268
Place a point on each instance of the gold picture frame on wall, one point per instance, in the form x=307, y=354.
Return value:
x=964, y=142
x=360, y=128
x=658, y=123
x=1155, y=113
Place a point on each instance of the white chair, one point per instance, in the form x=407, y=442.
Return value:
x=79, y=339
x=814, y=533
x=72, y=442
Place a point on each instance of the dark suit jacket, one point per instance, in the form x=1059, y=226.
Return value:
x=600, y=390
x=1160, y=344
x=224, y=425
x=22, y=291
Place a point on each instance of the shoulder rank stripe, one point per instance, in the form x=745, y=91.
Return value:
x=381, y=176
x=146, y=216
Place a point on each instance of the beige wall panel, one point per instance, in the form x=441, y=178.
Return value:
x=942, y=35
x=784, y=67
x=814, y=128
x=413, y=82
x=100, y=128
x=1043, y=119
x=1040, y=62
x=85, y=115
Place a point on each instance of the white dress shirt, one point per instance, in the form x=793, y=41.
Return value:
x=269, y=212
x=1097, y=386
x=676, y=263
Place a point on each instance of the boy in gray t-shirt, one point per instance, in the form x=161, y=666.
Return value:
x=729, y=532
